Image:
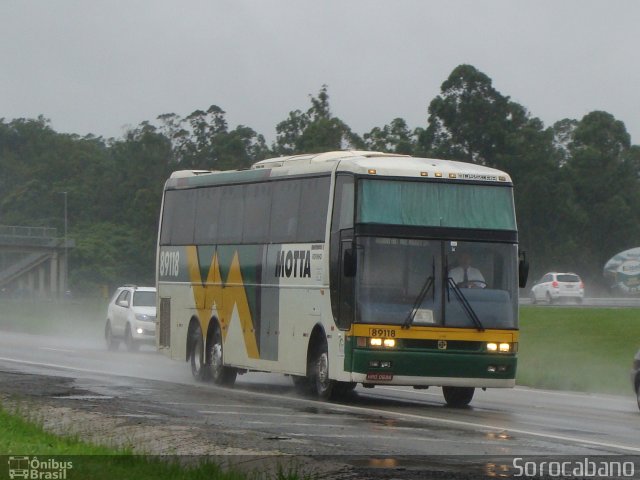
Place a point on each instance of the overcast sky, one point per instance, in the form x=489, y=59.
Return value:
x=103, y=66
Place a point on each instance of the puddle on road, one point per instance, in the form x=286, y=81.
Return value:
x=498, y=436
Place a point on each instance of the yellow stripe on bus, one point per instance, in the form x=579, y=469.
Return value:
x=432, y=333
x=214, y=295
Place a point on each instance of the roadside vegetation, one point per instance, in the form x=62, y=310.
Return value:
x=578, y=349
x=19, y=437
x=84, y=318
x=577, y=182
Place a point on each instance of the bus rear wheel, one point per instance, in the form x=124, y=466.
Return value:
x=221, y=374
x=458, y=397
x=199, y=368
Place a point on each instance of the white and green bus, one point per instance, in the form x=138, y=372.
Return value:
x=338, y=269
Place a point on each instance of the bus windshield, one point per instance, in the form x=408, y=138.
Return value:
x=420, y=203
x=436, y=283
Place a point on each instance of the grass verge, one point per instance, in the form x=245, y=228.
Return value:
x=19, y=438
x=79, y=318
x=578, y=349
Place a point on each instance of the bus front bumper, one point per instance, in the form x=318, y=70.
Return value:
x=481, y=370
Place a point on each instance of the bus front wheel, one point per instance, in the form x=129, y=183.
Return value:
x=458, y=397
x=322, y=384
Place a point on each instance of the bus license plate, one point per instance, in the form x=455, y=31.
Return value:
x=380, y=377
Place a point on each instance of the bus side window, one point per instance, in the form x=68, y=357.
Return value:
x=207, y=211
x=284, y=211
x=231, y=215
x=179, y=217
x=314, y=201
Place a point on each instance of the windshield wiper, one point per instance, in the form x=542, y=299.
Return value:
x=423, y=293
x=465, y=304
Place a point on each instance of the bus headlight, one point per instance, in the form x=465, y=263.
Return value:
x=503, y=347
x=380, y=342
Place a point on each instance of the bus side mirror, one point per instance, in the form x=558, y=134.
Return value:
x=350, y=263
x=523, y=269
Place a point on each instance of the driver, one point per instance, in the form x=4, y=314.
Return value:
x=466, y=276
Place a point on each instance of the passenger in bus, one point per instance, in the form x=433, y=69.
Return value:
x=466, y=276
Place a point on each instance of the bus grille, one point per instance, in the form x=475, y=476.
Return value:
x=452, y=345
x=165, y=322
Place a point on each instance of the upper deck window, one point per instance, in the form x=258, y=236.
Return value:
x=458, y=205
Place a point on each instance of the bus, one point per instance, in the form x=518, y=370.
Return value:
x=337, y=269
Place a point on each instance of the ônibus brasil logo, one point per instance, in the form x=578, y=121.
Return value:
x=36, y=469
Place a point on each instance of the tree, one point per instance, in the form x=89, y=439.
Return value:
x=203, y=141
x=470, y=120
x=314, y=131
x=394, y=138
x=603, y=170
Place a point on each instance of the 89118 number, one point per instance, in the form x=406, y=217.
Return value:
x=382, y=332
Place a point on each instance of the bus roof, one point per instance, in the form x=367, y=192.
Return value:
x=354, y=161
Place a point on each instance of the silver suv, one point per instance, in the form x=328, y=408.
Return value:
x=131, y=317
x=554, y=286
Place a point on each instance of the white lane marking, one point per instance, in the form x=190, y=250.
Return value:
x=518, y=389
x=409, y=390
x=262, y=414
x=57, y=349
x=64, y=367
x=296, y=424
x=369, y=411
x=383, y=437
x=223, y=405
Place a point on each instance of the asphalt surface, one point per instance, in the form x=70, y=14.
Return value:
x=386, y=432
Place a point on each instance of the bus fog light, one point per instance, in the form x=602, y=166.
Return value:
x=492, y=347
x=385, y=364
x=502, y=368
x=374, y=363
x=505, y=347
x=389, y=342
x=491, y=368
x=375, y=342
x=139, y=330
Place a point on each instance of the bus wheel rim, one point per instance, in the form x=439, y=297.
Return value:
x=323, y=370
x=216, y=356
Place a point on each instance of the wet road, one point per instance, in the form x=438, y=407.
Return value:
x=376, y=423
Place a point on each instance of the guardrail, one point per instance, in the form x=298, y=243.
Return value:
x=591, y=302
x=29, y=232
x=32, y=237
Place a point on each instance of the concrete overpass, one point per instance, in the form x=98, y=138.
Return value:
x=33, y=262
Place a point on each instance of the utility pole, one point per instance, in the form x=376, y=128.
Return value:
x=66, y=252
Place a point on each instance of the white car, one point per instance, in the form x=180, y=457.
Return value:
x=554, y=286
x=635, y=376
x=131, y=317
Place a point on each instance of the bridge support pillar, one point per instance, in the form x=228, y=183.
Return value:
x=53, y=276
x=42, y=287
